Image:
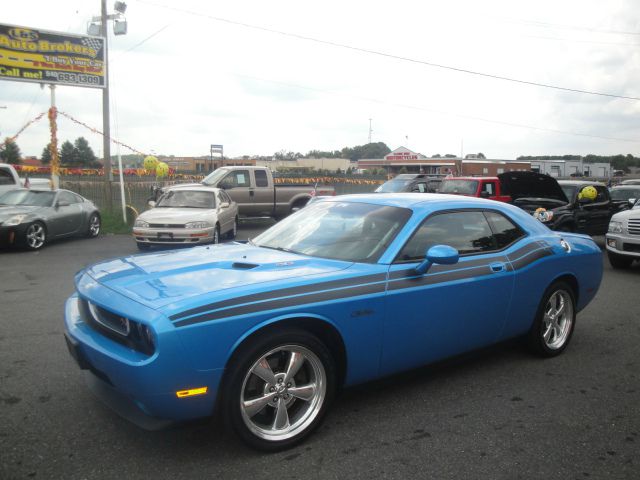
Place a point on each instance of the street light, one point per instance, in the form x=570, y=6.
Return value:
x=98, y=26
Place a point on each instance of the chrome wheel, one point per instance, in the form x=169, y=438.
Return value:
x=557, y=319
x=94, y=225
x=283, y=393
x=35, y=236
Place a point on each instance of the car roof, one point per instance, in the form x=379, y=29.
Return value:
x=629, y=186
x=194, y=189
x=414, y=200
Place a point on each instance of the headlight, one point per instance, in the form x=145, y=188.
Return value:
x=15, y=220
x=141, y=224
x=198, y=225
x=615, y=227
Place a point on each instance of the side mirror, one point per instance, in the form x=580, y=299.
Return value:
x=632, y=201
x=484, y=194
x=151, y=203
x=224, y=205
x=438, y=254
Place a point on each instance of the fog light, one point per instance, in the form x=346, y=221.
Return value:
x=611, y=242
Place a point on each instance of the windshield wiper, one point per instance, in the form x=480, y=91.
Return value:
x=280, y=249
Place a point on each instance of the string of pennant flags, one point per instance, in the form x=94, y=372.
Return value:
x=141, y=172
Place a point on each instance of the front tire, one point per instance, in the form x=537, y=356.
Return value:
x=279, y=389
x=619, y=261
x=143, y=246
x=555, y=321
x=234, y=230
x=94, y=226
x=35, y=236
x=216, y=235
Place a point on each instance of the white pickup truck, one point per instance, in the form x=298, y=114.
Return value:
x=256, y=194
x=9, y=180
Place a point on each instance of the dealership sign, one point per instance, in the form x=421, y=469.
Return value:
x=33, y=55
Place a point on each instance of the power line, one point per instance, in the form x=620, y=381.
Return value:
x=388, y=55
x=440, y=112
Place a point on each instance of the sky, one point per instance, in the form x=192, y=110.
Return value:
x=260, y=77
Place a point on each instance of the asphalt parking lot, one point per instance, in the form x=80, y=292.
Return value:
x=498, y=414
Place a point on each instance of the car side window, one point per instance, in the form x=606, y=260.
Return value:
x=220, y=198
x=467, y=231
x=5, y=177
x=504, y=231
x=603, y=195
x=67, y=197
x=490, y=188
x=237, y=178
x=261, y=178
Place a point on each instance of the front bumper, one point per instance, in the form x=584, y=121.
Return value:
x=12, y=235
x=146, y=385
x=623, y=244
x=175, y=236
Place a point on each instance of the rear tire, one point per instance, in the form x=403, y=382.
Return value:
x=234, y=230
x=618, y=261
x=555, y=321
x=279, y=389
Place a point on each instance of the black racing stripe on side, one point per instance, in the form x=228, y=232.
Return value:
x=531, y=257
x=460, y=274
x=282, y=292
x=411, y=272
x=285, y=302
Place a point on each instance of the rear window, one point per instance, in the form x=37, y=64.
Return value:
x=461, y=187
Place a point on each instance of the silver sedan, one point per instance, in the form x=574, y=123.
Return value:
x=32, y=218
x=187, y=216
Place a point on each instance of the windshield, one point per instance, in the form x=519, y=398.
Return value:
x=624, y=193
x=214, y=177
x=355, y=232
x=28, y=197
x=187, y=199
x=460, y=187
x=393, y=186
x=569, y=191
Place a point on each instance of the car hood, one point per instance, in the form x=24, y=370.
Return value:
x=8, y=211
x=170, y=281
x=627, y=215
x=531, y=185
x=176, y=215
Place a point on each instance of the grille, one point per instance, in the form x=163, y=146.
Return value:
x=634, y=226
x=166, y=225
x=631, y=247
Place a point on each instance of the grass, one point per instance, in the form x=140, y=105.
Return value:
x=112, y=223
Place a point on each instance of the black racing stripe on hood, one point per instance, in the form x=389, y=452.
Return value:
x=285, y=302
x=282, y=292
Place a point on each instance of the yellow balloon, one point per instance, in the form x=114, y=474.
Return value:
x=162, y=170
x=589, y=193
x=150, y=162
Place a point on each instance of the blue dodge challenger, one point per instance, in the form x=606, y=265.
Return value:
x=347, y=290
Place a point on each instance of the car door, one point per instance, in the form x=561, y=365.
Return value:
x=263, y=196
x=599, y=212
x=237, y=183
x=66, y=215
x=451, y=308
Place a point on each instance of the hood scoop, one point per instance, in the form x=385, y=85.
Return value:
x=244, y=266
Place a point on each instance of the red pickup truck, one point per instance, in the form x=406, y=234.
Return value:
x=484, y=187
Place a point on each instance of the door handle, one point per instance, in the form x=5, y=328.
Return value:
x=251, y=193
x=497, y=267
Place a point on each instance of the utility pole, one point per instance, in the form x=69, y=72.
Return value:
x=106, y=139
x=370, y=131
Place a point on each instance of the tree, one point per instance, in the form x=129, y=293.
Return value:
x=45, y=158
x=84, y=154
x=10, y=153
x=68, y=154
x=481, y=155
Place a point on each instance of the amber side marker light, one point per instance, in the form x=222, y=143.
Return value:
x=191, y=392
